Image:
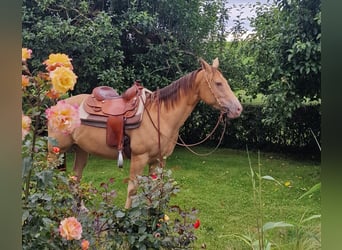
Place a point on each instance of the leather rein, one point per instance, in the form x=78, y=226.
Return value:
x=183, y=144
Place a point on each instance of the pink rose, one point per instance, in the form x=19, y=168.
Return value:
x=63, y=117
x=70, y=229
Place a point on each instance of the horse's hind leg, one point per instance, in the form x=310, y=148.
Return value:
x=81, y=158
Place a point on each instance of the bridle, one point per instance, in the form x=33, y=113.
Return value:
x=220, y=119
x=183, y=144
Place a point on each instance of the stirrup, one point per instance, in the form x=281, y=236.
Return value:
x=120, y=159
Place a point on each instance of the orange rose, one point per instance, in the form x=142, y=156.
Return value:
x=53, y=94
x=85, y=245
x=24, y=81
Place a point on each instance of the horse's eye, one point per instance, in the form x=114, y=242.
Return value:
x=218, y=84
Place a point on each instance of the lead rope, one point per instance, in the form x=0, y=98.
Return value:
x=212, y=151
x=206, y=138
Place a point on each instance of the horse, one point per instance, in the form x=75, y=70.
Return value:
x=169, y=107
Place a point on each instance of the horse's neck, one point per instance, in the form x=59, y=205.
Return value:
x=175, y=116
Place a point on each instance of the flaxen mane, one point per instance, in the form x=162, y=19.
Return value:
x=170, y=94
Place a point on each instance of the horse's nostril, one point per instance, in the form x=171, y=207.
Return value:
x=239, y=109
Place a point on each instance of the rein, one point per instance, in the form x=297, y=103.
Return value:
x=183, y=144
x=158, y=129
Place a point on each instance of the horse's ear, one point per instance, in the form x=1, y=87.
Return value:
x=204, y=64
x=216, y=63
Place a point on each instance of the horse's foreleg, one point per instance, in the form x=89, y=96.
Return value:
x=136, y=169
x=131, y=190
x=158, y=163
x=81, y=158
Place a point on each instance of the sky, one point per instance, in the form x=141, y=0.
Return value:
x=247, y=12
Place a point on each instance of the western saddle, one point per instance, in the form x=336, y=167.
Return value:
x=107, y=109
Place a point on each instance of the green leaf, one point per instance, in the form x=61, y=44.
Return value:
x=267, y=177
x=24, y=217
x=53, y=141
x=272, y=225
x=270, y=178
x=26, y=166
x=119, y=214
x=245, y=238
x=315, y=216
x=311, y=190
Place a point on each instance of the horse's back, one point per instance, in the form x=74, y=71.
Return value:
x=76, y=99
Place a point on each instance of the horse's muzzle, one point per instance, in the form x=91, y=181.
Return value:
x=233, y=111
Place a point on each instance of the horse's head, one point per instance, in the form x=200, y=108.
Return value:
x=215, y=90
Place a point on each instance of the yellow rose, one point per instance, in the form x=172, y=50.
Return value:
x=63, y=79
x=57, y=60
x=25, y=54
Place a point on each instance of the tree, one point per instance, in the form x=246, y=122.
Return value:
x=115, y=42
x=83, y=30
x=162, y=40
x=287, y=51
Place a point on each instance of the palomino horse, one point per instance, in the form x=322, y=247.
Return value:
x=175, y=102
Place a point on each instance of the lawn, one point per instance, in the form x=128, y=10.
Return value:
x=220, y=187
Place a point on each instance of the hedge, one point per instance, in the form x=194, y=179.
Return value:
x=298, y=136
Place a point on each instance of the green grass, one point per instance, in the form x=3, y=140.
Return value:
x=220, y=187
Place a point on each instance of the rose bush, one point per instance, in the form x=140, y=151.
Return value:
x=59, y=212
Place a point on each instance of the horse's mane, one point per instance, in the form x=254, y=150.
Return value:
x=170, y=94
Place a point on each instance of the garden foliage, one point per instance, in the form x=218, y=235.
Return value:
x=61, y=213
